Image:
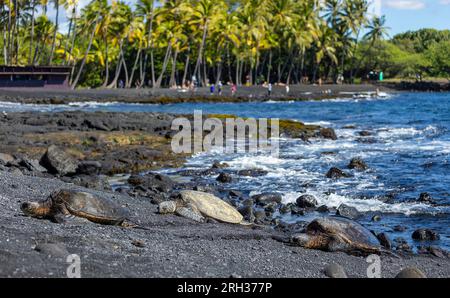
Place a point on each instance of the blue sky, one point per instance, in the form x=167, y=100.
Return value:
x=401, y=15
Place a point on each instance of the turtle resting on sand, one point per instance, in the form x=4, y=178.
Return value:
x=337, y=234
x=66, y=204
x=198, y=206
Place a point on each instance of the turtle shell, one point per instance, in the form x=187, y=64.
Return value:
x=211, y=206
x=346, y=228
x=94, y=208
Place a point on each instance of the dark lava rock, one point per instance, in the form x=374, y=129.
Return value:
x=384, y=240
x=357, y=164
x=306, y=201
x=31, y=165
x=284, y=209
x=323, y=209
x=247, y=213
x=402, y=245
x=153, y=182
x=260, y=217
x=265, y=198
x=328, y=133
x=425, y=235
x=399, y=228
x=98, y=182
x=364, y=133
x=135, y=180
x=57, y=161
x=336, y=173
x=348, y=211
x=89, y=168
x=432, y=250
x=335, y=271
x=218, y=165
x=224, y=178
x=252, y=173
x=426, y=198
x=411, y=272
x=376, y=218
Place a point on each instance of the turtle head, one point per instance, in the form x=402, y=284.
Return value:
x=167, y=207
x=301, y=239
x=34, y=209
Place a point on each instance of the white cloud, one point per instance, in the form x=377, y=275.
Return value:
x=406, y=4
x=445, y=2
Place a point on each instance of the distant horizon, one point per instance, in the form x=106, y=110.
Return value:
x=419, y=14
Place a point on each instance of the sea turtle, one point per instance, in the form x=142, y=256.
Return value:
x=66, y=204
x=337, y=234
x=198, y=206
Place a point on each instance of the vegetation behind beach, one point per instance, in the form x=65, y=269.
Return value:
x=168, y=43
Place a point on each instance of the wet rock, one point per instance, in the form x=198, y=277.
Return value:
x=224, y=178
x=425, y=235
x=399, y=228
x=357, y=164
x=284, y=209
x=432, y=250
x=247, y=213
x=295, y=210
x=335, y=271
x=270, y=208
x=265, y=198
x=260, y=217
x=152, y=182
x=56, y=250
x=135, y=180
x=328, y=133
x=96, y=124
x=336, y=173
x=218, y=165
x=402, y=245
x=306, y=201
x=57, y=161
x=376, y=218
x=323, y=209
x=384, y=240
x=252, y=173
x=89, y=168
x=364, y=133
x=235, y=194
x=411, y=272
x=348, y=211
x=426, y=198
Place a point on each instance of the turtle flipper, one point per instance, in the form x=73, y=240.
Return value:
x=190, y=212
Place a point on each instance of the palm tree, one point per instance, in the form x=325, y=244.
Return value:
x=377, y=29
x=52, y=52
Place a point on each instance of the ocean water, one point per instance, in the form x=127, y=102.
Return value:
x=408, y=152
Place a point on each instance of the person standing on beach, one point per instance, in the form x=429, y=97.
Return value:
x=269, y=89
x=233, y=89
x=211, y=89
x=219, y=88
x=287, y=89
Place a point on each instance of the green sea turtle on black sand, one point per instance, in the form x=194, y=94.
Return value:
x=66, y=204
x=338, y=234
x=199, y=206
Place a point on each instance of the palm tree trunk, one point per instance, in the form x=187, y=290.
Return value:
x=186, y=67
x=174, y=68
x=105, y=82
x=133, y=70
x=163, y=70
x=30, y=57
x=72, y=46
x=200, y=52
x=269, y=68
x=9, y=35
x=118, y=68
x=55, y=32
x=150, y=42
x=66, y=45
x=5, y=53
x=83, y=62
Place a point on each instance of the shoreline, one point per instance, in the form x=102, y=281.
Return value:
x=170, y=96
